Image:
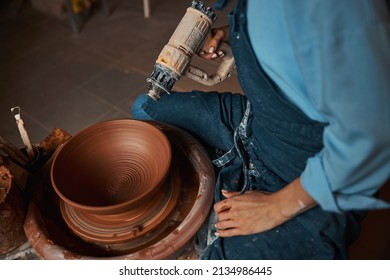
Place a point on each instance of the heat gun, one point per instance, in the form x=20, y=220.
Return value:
x=190, y=36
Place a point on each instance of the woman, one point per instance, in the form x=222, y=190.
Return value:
x=307, y=147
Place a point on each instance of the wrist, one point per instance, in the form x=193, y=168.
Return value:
x=294, y=200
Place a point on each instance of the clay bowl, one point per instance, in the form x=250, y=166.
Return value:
x=111, y=167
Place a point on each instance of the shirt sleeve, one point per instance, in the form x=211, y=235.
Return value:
x=343, y=52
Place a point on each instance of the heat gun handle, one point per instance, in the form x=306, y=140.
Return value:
x=224, y=70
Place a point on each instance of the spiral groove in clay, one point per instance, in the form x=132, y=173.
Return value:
x=112, y=180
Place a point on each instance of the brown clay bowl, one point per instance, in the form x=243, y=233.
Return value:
x=111, y=167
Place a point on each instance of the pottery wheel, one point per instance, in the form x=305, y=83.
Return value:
x=177, y=214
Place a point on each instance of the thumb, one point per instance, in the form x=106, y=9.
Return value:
x=228, y=194
x=213, y=42
x=218, y=36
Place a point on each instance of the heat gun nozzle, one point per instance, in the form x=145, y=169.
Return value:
x=161, y=81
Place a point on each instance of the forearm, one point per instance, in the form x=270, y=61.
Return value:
x=293, y=200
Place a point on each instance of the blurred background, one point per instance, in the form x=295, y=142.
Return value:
x=68, y=78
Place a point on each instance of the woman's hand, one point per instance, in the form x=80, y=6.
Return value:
x=255, y=212
x=211, y=49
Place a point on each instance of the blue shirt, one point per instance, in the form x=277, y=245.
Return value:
x=332, y=59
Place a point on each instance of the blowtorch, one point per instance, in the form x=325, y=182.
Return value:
x=190, y=36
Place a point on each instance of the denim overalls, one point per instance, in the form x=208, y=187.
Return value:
x=266, y=141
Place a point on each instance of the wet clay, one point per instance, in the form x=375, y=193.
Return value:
x=12, y=213
x=191, y=178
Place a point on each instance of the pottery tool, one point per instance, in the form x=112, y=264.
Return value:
x=23, y=132
x=191, y=35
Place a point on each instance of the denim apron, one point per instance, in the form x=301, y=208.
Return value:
x=266, y=142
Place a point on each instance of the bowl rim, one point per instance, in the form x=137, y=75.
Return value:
x=118, y=207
